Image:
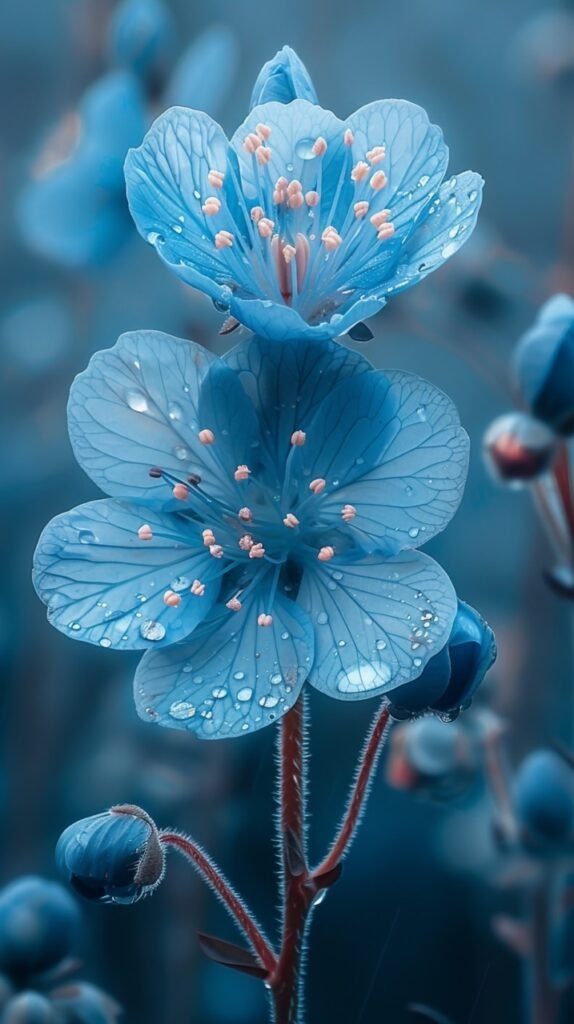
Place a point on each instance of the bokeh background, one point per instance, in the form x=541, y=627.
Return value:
x=411, y=920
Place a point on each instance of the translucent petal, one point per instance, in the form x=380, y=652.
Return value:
x=204, y=73
x=104, y=585
x=276, y=321
x=393, y=448
x=287, y=384
x=443, y=228
x=377, y=622
x=167, y=185
x=284, y=78
x=142, y=404
x=233, y=676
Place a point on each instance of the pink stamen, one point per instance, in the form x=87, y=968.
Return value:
x=317, y=485
x=296, y=200
x=251, y=143
x=215, y=550
x=348, y=137
x=375, y=155
x=208, y=537
x=234, y=604
x=291, y=521
x=293, y=187
x=264, y=155
x=379, y=218
x=301, y=258
x=242, y=473
x=320, y=146
x=348, y=512
x=197, y=588
x=263, y=130
x=245, y=514
x=312, y=198
x=289, y=251
x=265, y=227
x=256, y=213
x=326, y=554
x=246, y=542
x=331, y=239
x=215, y=178
x=264, y=619
x=145, y=532
x=211, y=206
x=386, y=231
x=257, y=551
x=378, y=181
x=298, y=437
x=206, y=436
x=361, y=209
x=360, y=171
x=181, y=492
x=171, y=599
x=223, y=239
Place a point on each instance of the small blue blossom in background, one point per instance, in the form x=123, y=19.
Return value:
x=113, y=857
x=543, y=365
x=266, y=502
x=543, y=798
x=302, y=224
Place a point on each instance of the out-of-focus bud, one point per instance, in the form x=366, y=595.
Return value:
x=114, y=857
x=450, y=679
x=544, y=47
x=543, y=800
x=140, y=35
x=30, y=1008
x=283, y=79
x=431, y=757
x=543, y=365
x=80, y=1003
x=518, y=449
x=38, y=926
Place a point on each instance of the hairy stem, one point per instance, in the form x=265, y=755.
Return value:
x=359, y=792
x=216, y=880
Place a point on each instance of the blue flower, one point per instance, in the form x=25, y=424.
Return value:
x=284, y=78
x=140, y=36
x=543, y=799
x=437, y=760
x=544, y=365
x=115, y=857
x=453, y=676
x=264, y=511
x=38, y=926
x=302, y=224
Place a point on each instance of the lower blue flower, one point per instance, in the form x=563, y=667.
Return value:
x=265, y=512
x=38, y=926
x=543, y=799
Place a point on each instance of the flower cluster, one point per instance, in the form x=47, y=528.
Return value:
x=265, y=508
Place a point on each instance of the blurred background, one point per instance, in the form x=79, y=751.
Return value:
x=411, y=920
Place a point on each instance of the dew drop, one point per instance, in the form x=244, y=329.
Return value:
x=175, y=412
x=177, y=228
x=105, y=642
x=137, y=401
x=245, y=693
x=87, y=537
x=182, y=709
x=181, y=452
x=380, y=645
x=152, y=630
x=276, y=678
x=219, y=692
x=414, y=532
x=179, y=583
x=269, y=701
x=322, y=618
x=239, y=676
x=304, y=149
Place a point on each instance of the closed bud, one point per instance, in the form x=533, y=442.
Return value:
x=449, y=681
x=543, y=798
x=39, y=922
x=283, y=79
x=30, y=1008
x=114, y=857
x=518, y=448
x=543, y=365
x=141, y=34
x=432, y=758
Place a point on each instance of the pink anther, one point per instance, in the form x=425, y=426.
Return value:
x=215, y=178
x=206, y=436
x=251, y=143
x=181, y=492
x=291, y=521
x=319, y=146
x=296, y=200
x=257, y=213
x=234, y=604
x=265, y=227
x=298, y=437
x=312, y=198
x=360, y=171
x=331, y=239
x=317, y=485
x=380, y=218
x=208, y=537
x=293, y=187
x=211, y=206
x=348, y=512
x=171, y=599
x=326, y=554
x=378, y=181
x=375, y=155
x=242, y=473
x=245, y=514
x=348, y=137
x=145, y=532
x=289, y=251
x=264, y=619
x=246, y=542
x=257, y=551
x=197, y=588
x=386, y=231
x=361, y=209
x=263, y=130
x=223, y=239
x=215, y=550
x=264, y=155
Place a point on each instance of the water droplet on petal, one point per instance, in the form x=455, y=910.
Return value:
x=245, y=693
x=182, y=709
x=137, y=401
x=151, y=630
x=87, y=537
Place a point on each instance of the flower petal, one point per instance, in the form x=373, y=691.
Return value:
x=390, y=445
x=167, y=185
x=142, y=404
x=203, y=74
x=287, y=383
x=104, y=585
x=233, y=676
x=277, y=322
x=443, y=228
x=284, y=78
x=377, y=622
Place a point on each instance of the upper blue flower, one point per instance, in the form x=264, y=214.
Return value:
x=265, y=507
x=544, y=365
x=302, y=224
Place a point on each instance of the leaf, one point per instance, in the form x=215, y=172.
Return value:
x=228, y=954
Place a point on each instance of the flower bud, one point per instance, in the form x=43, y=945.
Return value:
x=30, y=1008
x=141, y=34
x=543, y=365
x=114, y=857
x=450, y=679
x=543, y=798
x=283, y=79
x=430, y=757
x=39, y=922
x=518, y=448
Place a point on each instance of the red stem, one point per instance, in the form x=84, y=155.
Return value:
x=564, y=485
x=216, y=880
x=359, y=792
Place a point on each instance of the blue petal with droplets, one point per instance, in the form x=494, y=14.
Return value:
x=283, y=78
x=104, y=585
x=287, y=384
x=391, y=445
x=377, y=622
x=140, y=404
x=233, y=676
